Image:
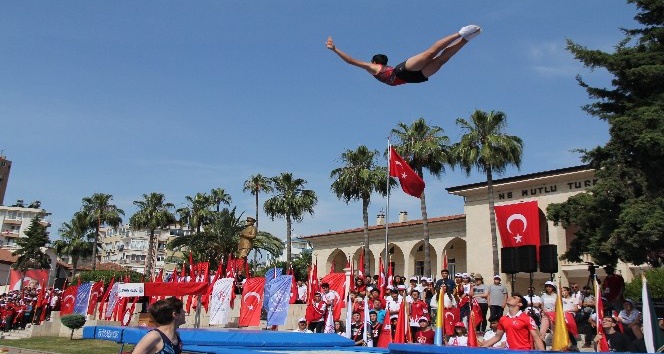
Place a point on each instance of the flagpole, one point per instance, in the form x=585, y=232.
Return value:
x=387, y=213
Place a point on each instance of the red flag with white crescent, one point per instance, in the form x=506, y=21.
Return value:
x=252, y=302
x=313, y=283
x=337, y=293
x=411, y=182
x=445, y=261
x=96, y=292
x=68, y=300
x=518, y=224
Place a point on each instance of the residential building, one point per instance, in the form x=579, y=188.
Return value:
x=298, y=245
x=15, y=220
x=129, y=247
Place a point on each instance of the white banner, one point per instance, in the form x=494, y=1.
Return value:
x=131, y=289
x=220, y=301
x=112, y=301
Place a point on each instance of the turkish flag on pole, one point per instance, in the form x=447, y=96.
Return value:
x=518, y=224
x=445, y=261
x=410, y=181
x=252, y=302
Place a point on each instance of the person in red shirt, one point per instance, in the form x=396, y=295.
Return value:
x=613, y=287
x=520, y=328
x=417, y=68
x=316, y=314
x=418, y=309
x=425, y=335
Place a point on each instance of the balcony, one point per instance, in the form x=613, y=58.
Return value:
x=13, y=221
x=10, y=233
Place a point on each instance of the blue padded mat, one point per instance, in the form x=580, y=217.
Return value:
x=225, y=338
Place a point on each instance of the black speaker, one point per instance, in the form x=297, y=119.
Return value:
x=508, y=260
x=527, y=258
x=549, y=259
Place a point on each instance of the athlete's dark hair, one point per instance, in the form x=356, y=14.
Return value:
x=379, y=59
x=162, y=310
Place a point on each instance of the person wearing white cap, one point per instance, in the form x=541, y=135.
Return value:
x=302, y=326
x=497, y=297
x=549, y=298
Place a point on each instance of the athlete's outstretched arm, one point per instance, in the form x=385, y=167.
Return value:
x=372, y=68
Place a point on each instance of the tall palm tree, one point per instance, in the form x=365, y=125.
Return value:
x=100, y=210
x=424, y=147
x=257, y=184
x=290, y=201
x=153, y=213
x=357, y=180
x=219, y=196
x=76, y=239
x=487, y=148
x=198, y=213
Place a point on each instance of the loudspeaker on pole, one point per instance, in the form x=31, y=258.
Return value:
x=548, y=259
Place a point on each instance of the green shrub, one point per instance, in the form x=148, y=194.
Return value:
x=655, y=285
x=73, y=322
x=106, y=275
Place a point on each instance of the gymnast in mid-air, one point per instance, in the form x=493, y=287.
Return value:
x=417, y=68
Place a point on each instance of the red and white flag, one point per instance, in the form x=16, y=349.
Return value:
x=68, y=300
x=96, y=292
x=410, y=181
x=518, y=224
x=360, y=265
x=313, y=284
x=293, y=293
x=252, y=302
x=337, y=283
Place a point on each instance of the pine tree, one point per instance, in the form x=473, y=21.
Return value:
x=622, y=215
x=29, y=250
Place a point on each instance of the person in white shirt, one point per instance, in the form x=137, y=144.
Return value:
x=301, y=292
x=302, y=326
x=491, y=332
x=393, y=302
x=570, y=304
x=460, y=336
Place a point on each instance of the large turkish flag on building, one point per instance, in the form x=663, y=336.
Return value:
x=252, y=302
x=518, y=224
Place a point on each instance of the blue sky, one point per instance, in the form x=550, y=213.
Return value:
x=133, y=97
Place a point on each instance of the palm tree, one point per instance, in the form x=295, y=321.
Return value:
x=153, y=213
x=219, y=238
x=76, y=239
x=357, y=180
x=219, y=196
x=198, y=213
x=257, y=184
x=291, y=201
x=423, y=147
x=100, y=210
x=487, y=148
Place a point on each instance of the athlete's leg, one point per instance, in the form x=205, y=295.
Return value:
x=419, y=61
x=437, y=62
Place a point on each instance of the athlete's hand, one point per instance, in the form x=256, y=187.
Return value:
x=330, y=43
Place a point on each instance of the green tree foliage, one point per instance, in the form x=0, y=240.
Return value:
x=423, y=147
x=290, y=201
x=73, y=322
x=76, y=239
x=485, y=147
x=29, y=250
x=107, y=275
x=153, y=213
x=101, y=212
x=622, y=215
x=357, y=179
x=633, y=289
